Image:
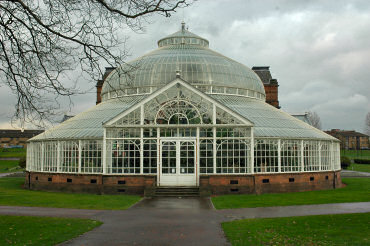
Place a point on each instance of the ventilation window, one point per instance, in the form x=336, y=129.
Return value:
x=37, y=178
x=291, y=180
x=234, y=190
x=234, y=182
x=121, y=190
x=69, y=180
x=265, y=181
x=93, y=181
x=121, y=182
x=326, y=177
x=312, y=178
x=50, y=179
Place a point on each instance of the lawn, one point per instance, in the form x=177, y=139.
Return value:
x=7, y=153
x=8, y=166
x=12, y=194
x=356, y=154
x=340, y=229
x=357, y=190
x=27, y=230
x=359, y=167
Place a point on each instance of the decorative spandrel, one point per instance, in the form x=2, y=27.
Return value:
x=178, y=105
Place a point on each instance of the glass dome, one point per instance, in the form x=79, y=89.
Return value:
x=186, y=116
x=186, y=54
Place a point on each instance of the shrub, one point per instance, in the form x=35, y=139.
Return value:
x=345, y=162
x=362, y=161
x=22, y=162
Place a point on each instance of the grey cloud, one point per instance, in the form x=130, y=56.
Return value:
x=318, y=50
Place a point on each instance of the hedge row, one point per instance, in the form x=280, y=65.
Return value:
x=362, y=161
x=345, y=162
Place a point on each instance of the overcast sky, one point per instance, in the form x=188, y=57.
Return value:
x=319, y=51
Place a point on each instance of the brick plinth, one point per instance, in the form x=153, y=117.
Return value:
x=90, y=183
x=209, y=184
x=269, y=183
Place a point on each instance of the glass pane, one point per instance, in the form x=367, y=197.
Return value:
x=187, y=157
x=169, y=157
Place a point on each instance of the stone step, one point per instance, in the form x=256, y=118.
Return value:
x=171, y=190
x=184, y=190
x=177, y=191
x=177, y=187
x=176, y=195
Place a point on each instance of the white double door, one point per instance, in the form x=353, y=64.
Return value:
x=178, y=163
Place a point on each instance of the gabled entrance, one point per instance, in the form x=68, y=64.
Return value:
x=176, y=99
x=177, y=133
x=178, y=165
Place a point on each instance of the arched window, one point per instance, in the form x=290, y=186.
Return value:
x=266, y=156
x=290, y=155
x=232, y=156
x=69, y=156
x=178, y=111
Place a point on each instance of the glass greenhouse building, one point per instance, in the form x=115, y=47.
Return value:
x=183, y=115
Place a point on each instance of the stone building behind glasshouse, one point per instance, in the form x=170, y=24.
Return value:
x=184, y=116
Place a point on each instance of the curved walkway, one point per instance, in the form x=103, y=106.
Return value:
x=174, y=221
x=2, y=175
x=354, y=174
x=9, y=158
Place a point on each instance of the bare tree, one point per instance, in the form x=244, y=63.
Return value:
x=42, y=40
x=367, y=124
x=314, y=119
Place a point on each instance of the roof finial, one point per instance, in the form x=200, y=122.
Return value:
x=183, y=26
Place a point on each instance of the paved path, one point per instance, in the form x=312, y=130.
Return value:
x=350, y=174
x=173, y=221
x=158, y=221
x=301, y=210
x=2, y=175
x=9, y=158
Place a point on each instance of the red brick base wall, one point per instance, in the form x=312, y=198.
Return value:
x=269, y=183
x=90, y=183
x=209, y=184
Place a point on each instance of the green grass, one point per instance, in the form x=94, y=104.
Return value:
x=27, y=230
x=356, y=154
x=8, y=153
x=340, y=229
x=12, y=194
x=359, y=167
x=357, y=190
x=8, y=166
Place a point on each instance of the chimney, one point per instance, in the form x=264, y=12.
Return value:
x=99, y=84
x=271, y=85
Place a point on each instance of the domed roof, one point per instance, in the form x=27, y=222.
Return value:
x=188, y=54
x=183, y=37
